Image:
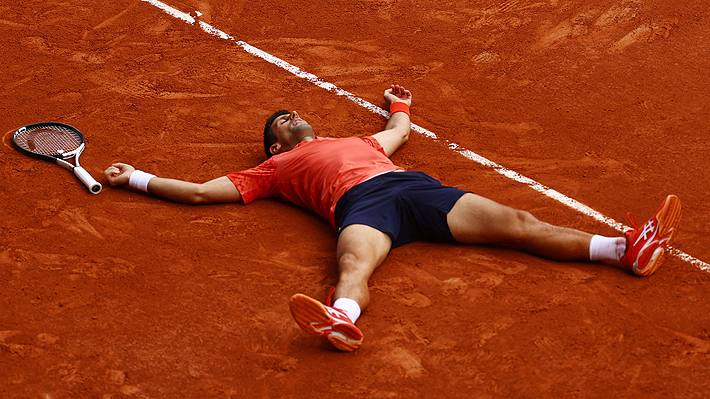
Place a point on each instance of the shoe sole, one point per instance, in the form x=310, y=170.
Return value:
x=668, y=216
x=653, y=263
x=340, y=341
x=306, y=310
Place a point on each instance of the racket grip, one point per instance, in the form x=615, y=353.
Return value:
x=85, y=177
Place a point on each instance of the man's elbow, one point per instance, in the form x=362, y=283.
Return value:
x=200, y=195
x=405, y=136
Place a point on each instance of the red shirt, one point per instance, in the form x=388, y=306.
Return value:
x=315, y=174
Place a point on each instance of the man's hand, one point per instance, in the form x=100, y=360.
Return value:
x=397, y=93
x=118, y=173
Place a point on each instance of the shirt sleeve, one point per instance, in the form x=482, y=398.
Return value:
x=256, y=183
x=374, y=144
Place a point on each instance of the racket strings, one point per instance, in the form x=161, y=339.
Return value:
x=54, y=140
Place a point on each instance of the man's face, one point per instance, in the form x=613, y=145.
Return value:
x=289, y=130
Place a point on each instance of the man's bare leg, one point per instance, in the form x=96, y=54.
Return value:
x=360, y=250
x=478, y=220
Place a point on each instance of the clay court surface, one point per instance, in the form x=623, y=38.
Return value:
x=121, y=295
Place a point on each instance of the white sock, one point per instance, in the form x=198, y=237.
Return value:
x=607, y=248
x=349, y=306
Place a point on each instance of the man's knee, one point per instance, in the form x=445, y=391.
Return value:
x=523, y=225
x=348, y=262
x=361, y=248
x=353, y=270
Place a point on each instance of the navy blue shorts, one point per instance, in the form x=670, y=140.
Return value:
x=407, y=206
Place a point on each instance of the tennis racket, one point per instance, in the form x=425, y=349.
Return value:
x=55, y=142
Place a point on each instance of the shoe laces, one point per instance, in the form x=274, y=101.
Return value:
x=632, y=219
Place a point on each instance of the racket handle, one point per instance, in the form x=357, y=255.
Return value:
x=85, y=177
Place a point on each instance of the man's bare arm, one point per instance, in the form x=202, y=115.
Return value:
x=396, y=131
x=219, y=190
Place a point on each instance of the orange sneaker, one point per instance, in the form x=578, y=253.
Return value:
x=647, y=244
x=325, y=321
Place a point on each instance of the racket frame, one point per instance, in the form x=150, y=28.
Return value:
x=60, y=158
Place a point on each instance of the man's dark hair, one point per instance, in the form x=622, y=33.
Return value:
x=269, y=136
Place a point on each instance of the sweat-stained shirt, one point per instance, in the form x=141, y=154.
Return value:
x=316, y=173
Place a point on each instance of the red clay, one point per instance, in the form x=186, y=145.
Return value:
x=123, y=295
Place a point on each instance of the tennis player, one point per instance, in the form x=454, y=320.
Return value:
x=375, y=206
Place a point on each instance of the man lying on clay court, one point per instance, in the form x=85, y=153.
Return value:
x=375, y=206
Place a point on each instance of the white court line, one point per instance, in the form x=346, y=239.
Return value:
x=572, y=203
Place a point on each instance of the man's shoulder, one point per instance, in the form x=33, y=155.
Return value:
x=327, y=146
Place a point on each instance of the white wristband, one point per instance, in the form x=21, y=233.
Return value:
x=139, y=180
